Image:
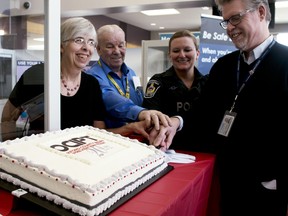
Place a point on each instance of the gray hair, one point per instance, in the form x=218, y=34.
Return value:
x=77, y=26
x=108, y=29
x=250, y=4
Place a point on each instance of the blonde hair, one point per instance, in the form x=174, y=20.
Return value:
x=184, y=33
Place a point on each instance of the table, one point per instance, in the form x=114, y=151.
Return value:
x=188, y=190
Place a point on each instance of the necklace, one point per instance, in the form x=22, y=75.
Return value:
x=69, y=89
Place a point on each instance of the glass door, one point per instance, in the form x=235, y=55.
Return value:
x=154, y=59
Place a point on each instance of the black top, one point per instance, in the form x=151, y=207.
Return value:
x=85, y=106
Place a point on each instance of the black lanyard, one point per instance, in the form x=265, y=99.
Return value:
x=251, y=72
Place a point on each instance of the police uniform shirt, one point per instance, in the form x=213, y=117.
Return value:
x=167, y=93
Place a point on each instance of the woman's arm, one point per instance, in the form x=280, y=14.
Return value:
x=10, y=112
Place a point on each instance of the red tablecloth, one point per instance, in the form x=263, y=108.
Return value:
x=185, y=191
x=182, y=192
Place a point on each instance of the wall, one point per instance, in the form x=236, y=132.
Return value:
x=134, y=35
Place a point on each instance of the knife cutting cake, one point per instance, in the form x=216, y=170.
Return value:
x=84, y=169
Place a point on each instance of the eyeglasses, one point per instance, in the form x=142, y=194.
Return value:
x=81, y=41
x=236, y=19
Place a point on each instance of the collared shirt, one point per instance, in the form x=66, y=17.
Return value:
x=256, y=53
x=119, y=108
x=167, y=93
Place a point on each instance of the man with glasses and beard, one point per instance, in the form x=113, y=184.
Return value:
x=249, y=87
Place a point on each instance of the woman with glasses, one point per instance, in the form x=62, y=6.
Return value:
x=81, y=97
x=245, y=113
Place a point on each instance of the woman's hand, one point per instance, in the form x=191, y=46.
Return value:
x=154, y=118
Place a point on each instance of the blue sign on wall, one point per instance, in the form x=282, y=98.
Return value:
x=214, y=42
x=167, y=36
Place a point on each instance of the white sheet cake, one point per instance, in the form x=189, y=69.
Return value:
x=84, y=169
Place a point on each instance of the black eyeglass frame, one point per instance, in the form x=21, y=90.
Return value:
x=235, y=19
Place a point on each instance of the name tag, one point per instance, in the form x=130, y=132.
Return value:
x=226, y=123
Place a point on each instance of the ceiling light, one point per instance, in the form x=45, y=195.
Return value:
x=283, y=4
x=2, y=32
x=153, y=24
x=161, y=27
x=160, y=12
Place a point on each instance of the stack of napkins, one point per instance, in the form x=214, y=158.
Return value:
x=174, y=157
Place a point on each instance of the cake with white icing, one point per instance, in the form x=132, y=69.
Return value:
x=84, y=169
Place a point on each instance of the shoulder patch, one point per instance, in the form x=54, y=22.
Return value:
x=152, y=87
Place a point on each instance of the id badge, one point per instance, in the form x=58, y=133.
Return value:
x=226, y=123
